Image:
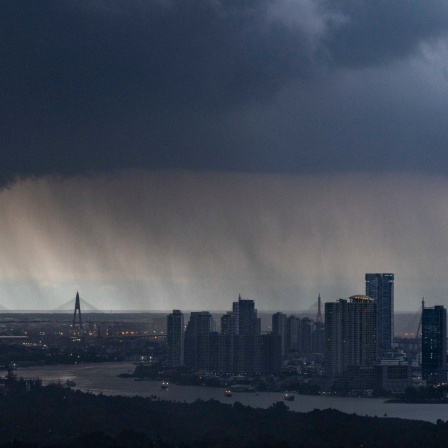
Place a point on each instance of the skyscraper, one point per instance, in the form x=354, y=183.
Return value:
x=229, y=324
x=350, y=334
x=227, y=342
x=270, y=353
x=306, y=335
x=279, y=327
x=197, y=340
x=292, y=333
x=433, y=342
x=175, y=338
x=247, y=338
x=319, y=337
x=380, y=287
x=245, y=314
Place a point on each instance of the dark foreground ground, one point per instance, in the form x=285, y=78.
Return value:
x=60, y=417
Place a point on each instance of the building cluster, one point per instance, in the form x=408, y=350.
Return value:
x=238, y=348
x=359, y=341
x=302, y=335
x=354, y=341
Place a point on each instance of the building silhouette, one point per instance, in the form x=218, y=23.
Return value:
x=246, y=340
x=217, y=360
x=302, y=335
x=434, y=344
x=270, y=360
x=380, y=287
x=350, y=335
x=239, y=348
x=229, y=324
x=197, y=340
x=175, y=339
x=306, y=335
x=227, y=343
x=280, y=328
x=246, y=319
x=319, y=338
x=292, y=333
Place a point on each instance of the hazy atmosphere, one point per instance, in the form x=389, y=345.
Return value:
x=173, y=153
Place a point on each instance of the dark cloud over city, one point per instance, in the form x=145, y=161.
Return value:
x=310, y=98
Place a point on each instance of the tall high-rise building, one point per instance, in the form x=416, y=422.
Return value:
x=292, y=333
x=270, y=353
x=306, y=335
x=229, y=323
x=175, y=338
x=350, y=334
x=245, y=314
x=319, y=337
x=380, y=287
x=279, y=327
x=227, y=342
x=248, y=325
x=197, y=340
x=216, y=354
x=433, y=342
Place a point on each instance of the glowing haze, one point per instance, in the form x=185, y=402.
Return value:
x=161, y=240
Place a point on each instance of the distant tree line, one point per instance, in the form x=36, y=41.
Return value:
x=59, y=417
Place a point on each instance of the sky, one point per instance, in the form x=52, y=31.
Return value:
x=160, y=154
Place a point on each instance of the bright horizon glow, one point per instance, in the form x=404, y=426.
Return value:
x=186, y=240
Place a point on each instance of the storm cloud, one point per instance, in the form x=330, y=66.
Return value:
x=279, y=86
x=380, y=32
